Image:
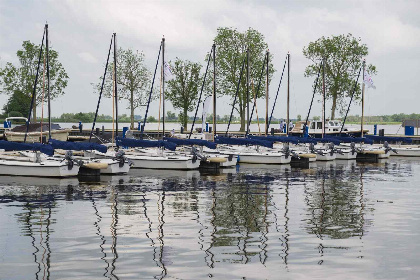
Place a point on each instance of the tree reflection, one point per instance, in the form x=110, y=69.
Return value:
x=335, y=205
x=239, y=219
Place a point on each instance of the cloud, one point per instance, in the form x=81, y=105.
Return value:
x=391, y=29
x=87, y=57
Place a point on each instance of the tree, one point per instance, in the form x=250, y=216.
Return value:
x=343, y=56
x=133, y=79
x=21, y=77
x=170, y=116
x=18, y=102
x=231, y=48
x=184, y=88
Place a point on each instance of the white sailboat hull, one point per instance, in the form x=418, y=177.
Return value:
x=263, y=158
x=325, y=157
x=43, y=169
x=34, y=137
x=347, y=155
x=114, y=167
x=407, y=152
x=231, y=163
x=162, y=162
x=385, y=155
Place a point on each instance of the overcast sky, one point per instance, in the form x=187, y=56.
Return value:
x=81, y=30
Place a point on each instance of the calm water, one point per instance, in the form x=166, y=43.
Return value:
x=335, y=220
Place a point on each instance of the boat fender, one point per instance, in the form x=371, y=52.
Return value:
x=217, y=159
x=239, y=158
x=194, y=158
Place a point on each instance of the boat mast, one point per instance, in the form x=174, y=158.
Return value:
x=323, y=98
x=115, y=84
x=266, y=97
x=288, y=94
x=48, y=83
x=247, y=90
x=214, y=91
x=163, y=86
x=33, y=101
x=363, y=98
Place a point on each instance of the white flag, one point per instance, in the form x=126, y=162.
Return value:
x=206, y=105
x=368, y=80
x=168, y=72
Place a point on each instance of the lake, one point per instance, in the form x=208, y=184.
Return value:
x=337, y=220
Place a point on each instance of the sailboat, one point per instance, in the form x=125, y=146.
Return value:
x=149, y=153
x=14, y=159
x=251, y=150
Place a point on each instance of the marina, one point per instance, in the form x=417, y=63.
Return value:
x=228, y=140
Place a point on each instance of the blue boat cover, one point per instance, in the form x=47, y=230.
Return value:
x=390, y=139
x=282, y=139
x=243, y=141
x=77, y=146
x=127, y=142
x=307, y=140
x=352, y=139
x=14, y=146
x=190, y=142
x=328, y=140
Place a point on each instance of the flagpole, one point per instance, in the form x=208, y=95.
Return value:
x=363, y=99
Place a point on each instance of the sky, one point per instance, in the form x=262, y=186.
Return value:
x=81, y=30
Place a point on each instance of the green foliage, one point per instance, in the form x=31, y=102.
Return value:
x=395, y=118
x=21, y=77
x=316, y=118
x=299, y=118
x=183, y=89
x=170, y=116
x=231, y=46
x=133, y=79
x=151, y=119
x=343, y=56
x=17, y=103
x=15, y=114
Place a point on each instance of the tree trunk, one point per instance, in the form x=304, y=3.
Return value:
x=242, y=114
x=334, y=105
x=33, y=119
x=185, y=117
x=132, y=110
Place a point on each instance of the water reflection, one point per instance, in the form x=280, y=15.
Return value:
x=99, y=233
x=155, y=224
x=36, y=218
